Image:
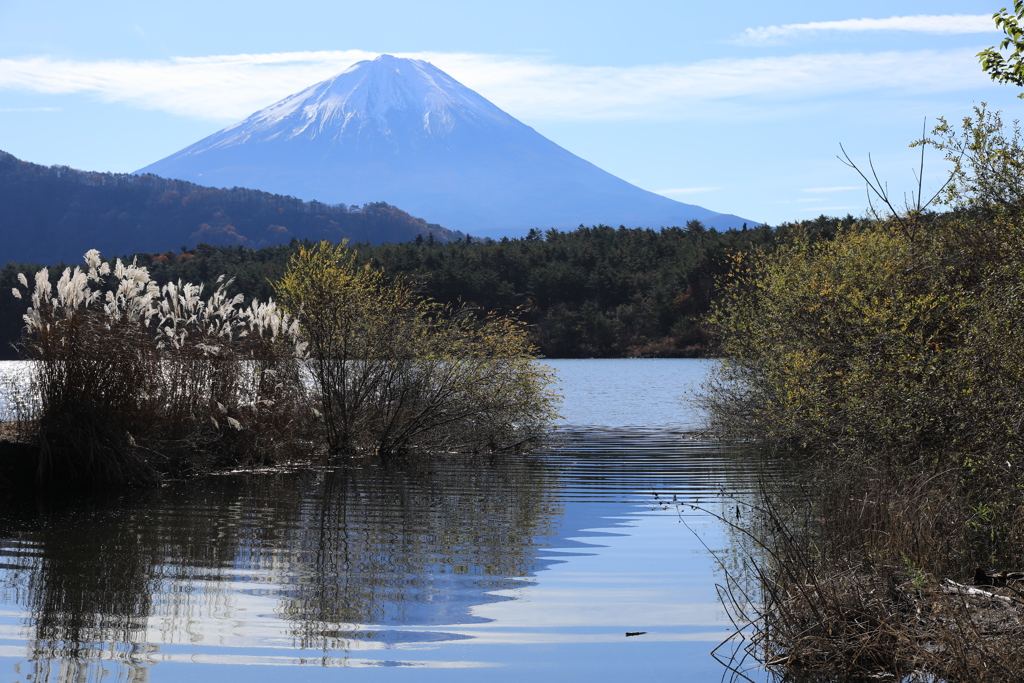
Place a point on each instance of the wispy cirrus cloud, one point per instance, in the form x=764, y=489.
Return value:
x=229, y=87
x=220, y=88
x=942, y=24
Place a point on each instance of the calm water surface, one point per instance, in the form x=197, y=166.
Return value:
x=528, y=569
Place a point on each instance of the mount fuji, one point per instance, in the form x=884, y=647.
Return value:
x=404, y=132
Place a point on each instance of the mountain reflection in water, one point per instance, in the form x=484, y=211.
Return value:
x=532, y=566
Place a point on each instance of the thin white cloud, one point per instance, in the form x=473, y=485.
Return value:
x=688, y=190
x=18, y=110
x=941, y=24
x=843, y=188
x=219, y=88
x=822, y=209
x=227, y=88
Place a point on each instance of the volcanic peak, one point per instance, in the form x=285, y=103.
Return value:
x=403, y=131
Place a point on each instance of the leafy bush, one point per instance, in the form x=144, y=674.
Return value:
x=394, y=372
x=895, y=338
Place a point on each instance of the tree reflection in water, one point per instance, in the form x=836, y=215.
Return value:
x=116, y=582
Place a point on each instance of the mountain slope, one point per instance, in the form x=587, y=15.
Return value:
x=403, y=131
x=48, y=214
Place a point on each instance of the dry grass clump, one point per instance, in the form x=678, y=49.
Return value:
x=134, y=381
x=862, y=575
x=883, y=624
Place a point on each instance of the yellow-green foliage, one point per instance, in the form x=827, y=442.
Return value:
x=893, y=355
x=880, y=340
x=395, y=372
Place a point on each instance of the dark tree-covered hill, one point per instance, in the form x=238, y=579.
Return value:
x=55, y=213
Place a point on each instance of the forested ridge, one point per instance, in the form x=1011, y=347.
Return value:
x=54, y=213
x=590, y=292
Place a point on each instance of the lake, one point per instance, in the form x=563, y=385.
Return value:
x=524, y=568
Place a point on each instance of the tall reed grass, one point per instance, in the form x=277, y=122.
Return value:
x=135, y=381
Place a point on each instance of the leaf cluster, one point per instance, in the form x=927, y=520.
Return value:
x=987, y=159
x=1009, y=69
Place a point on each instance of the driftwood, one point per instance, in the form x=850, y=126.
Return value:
x=951, y=586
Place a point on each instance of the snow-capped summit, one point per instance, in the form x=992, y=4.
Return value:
x=388, y=97
x=404, y=132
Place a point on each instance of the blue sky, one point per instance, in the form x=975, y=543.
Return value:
x=740, y=109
